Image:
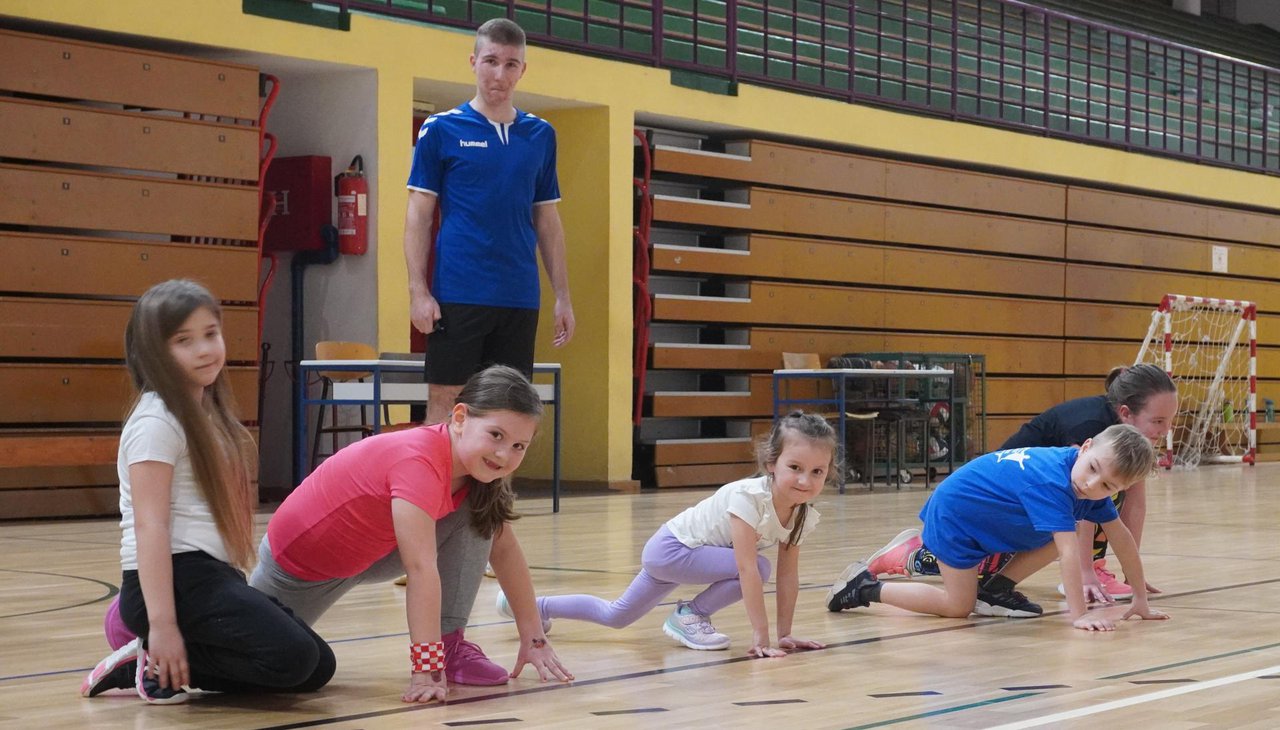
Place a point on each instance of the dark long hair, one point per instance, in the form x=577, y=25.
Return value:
x=1133, y=386
x=797, y=424
x=220, y=448
x=497, y=388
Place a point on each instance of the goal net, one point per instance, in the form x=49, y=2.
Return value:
x=1209, y=347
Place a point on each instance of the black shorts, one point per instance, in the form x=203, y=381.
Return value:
x=474, y=337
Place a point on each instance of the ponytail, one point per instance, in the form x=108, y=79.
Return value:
x=1133, y=386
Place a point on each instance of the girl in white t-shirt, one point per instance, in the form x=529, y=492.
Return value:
x=187, y=502
x=719, y=541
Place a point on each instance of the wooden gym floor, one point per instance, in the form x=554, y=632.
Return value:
x=1212, y=543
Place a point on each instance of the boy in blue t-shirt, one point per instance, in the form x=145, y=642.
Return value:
x=1025, y=501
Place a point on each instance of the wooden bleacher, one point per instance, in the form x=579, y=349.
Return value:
x=122, y=158
x=766, y=247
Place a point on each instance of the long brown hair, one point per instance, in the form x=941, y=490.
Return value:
x=797, y=424
x=497, y=388
x=220, y=448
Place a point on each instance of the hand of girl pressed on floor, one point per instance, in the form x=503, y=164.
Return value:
x=539, y=653
x=425, y=687
x=1146, y=613
x=764, y=650
x=791, y=643
x=1093, y=623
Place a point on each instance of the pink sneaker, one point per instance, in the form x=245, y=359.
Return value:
x=113, y=626
x=465, y=663
x=895, y=558
x=1110, y=583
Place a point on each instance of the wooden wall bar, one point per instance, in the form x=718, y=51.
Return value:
x=47, y=395
x=133, y=140
x=761, y=248
x=77, y=70
x=73, y=264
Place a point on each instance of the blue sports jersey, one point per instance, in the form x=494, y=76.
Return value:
x=487, y=178
x=1004, y=502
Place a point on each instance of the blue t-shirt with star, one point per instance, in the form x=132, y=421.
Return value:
x=487, y=177
x=1007, y=501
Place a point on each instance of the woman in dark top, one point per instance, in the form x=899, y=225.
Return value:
x=1142, y=396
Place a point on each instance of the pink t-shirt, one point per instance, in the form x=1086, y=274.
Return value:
x=338, y=521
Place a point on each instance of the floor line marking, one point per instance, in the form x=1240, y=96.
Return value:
x=111, y=591
x=1138, y=700
x=943, y=711
x=1198, y=660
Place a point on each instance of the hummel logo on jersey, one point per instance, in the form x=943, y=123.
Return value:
x=1018, y=455
x=473, y=143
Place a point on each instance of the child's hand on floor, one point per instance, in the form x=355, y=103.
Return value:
x=1146, y=613
x=1093, y=623
x=764, y=650
x=790, y=643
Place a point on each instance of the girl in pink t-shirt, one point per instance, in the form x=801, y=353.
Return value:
x=392, y=505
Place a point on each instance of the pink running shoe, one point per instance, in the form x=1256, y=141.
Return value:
x=895, y=558
x=465, y=663
x=1110, y=583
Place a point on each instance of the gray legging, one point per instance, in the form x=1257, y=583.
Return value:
x=461, y=554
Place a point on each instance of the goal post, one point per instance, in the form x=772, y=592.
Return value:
x=1209, y=347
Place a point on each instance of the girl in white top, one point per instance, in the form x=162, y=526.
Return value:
x=719, y=540
x=187, y=502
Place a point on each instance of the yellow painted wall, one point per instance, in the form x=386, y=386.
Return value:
x=595, y=151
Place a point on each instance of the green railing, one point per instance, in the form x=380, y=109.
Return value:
x=999, y=62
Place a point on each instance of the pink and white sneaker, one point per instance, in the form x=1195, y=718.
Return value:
x=895, y=557
x=115, y=672
x=1114, y=587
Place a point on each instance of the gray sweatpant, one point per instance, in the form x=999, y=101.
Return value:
x=461, y=554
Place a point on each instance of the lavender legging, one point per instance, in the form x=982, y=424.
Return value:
x=665, y=563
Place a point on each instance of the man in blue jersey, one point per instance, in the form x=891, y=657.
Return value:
x=491, y=169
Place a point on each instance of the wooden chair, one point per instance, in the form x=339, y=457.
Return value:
x=335, y=350
x=801, y=361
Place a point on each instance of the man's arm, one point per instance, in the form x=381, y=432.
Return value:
x=419, y=217
x=546, y=222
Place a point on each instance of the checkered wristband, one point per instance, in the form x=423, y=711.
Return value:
x=427, y=657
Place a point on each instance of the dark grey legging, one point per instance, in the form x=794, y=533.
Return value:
x=461, y=554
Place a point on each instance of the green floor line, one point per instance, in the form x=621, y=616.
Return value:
x=944, y=711
x=1238, y=652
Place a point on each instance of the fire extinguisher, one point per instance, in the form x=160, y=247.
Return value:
x=352, y=190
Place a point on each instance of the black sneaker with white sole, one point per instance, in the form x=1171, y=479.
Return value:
x=1010, y=603
x=845, y=592
x=149, y=689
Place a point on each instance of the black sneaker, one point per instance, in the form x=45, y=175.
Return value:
x=114, y=672
x=844, y=592
x=1008, y=603
x=149, y=687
